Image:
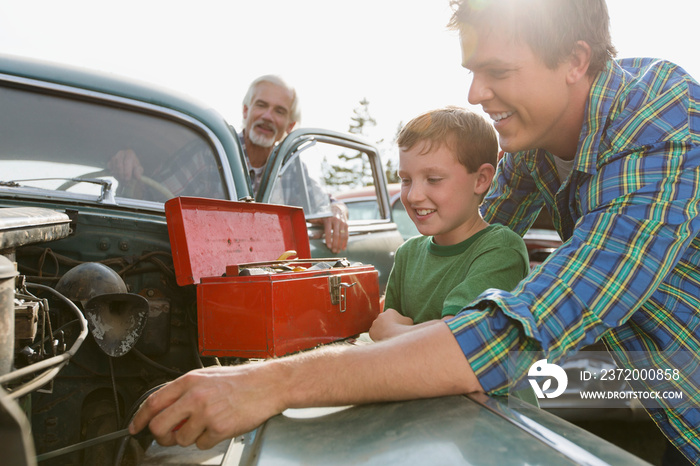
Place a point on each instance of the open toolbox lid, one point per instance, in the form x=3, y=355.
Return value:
x=206, y=235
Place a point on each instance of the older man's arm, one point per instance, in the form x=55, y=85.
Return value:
x=219, y=403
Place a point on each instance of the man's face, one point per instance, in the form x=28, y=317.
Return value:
x=268, y=119
x=528, y=102
x=437, y=192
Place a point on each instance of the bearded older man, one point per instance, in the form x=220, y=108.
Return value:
x=270, y=112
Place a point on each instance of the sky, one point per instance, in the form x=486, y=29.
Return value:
x=397, y=54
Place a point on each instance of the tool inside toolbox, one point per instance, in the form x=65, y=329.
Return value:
x=284, y=264
x=287, y=266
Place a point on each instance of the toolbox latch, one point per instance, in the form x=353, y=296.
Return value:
x=337, y=289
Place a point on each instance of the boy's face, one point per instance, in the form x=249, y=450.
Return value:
x=439, y=193
x=529, y=103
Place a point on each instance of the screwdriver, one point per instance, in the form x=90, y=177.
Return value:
x=89, y=443
x=145, y=432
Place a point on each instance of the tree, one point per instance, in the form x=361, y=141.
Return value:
x=352, y=170
x=361, y=118
x=392, y=175
x=392, y=166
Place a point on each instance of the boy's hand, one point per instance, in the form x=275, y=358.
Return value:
x=389, y=324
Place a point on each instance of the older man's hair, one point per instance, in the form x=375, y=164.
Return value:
x=294, y=111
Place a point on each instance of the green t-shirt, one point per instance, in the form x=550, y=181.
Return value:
x=429, y=281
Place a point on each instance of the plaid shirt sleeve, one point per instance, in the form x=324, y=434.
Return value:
x=629, y=270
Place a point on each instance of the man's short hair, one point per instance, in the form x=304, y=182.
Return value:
x=294, y=111
x=468, y=134
x=550, y=28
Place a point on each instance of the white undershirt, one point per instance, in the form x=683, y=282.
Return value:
x=564, y=167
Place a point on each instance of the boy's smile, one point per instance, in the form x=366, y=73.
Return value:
x=440, y=196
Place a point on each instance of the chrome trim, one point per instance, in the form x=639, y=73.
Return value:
x=134, y=104
x=547, y=436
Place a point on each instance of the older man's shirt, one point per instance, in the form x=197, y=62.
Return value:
x=629, y=269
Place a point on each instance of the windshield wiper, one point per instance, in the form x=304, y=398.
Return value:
x=106, y=194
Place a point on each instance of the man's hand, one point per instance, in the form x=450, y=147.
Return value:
x=209, y=405
x=125, y=166
x=336, y=228
x=388, y=324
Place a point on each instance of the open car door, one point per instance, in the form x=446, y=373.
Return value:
x=310, y=168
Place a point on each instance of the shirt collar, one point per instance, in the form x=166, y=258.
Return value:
x=605, y=90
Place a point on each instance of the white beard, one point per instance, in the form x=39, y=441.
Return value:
x=260, y=140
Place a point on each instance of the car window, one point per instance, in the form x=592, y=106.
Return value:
x=51, y=138
x=318, y=169
x=364, y=209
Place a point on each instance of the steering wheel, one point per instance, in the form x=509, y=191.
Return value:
x=150, y=182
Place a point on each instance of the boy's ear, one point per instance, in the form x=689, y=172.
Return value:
x=484, y=177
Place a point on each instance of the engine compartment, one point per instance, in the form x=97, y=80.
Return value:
x=56, y=268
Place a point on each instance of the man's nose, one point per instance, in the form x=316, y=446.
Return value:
x=479, y=92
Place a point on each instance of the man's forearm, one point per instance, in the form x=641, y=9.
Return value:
x=425, y=363
x=221, y=402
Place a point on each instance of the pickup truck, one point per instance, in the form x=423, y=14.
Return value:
x=71, y=235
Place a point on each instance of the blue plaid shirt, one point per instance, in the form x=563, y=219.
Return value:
x=628, y=272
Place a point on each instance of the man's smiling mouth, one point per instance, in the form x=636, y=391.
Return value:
x=496, y=117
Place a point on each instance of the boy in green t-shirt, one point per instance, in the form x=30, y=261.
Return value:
x=447, y=159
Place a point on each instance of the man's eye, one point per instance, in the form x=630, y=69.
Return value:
x=405, y=181
x=434, y=180
x=498, y=73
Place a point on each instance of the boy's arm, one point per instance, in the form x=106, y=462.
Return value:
x=391, y=323
x=388, y=324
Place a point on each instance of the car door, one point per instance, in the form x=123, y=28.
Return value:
x=310, y=167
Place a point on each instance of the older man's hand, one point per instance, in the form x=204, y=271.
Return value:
x=336, y=228
x=125, y=166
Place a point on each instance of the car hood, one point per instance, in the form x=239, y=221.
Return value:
x=467, y=430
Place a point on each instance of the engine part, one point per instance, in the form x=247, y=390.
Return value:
x=115, y=317
x=7, y=314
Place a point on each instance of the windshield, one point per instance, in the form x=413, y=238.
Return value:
x=47, y=140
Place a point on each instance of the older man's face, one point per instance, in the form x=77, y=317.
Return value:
x=268, y=119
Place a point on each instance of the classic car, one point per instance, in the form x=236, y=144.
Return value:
x=61, y=210
x=362, y=205
x=77, y=245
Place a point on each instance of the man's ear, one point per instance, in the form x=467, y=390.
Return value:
x=291, y=126
x=484, y=177
x=579, y=61
x=245, y=112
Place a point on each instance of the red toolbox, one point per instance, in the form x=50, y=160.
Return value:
x=270, y=314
